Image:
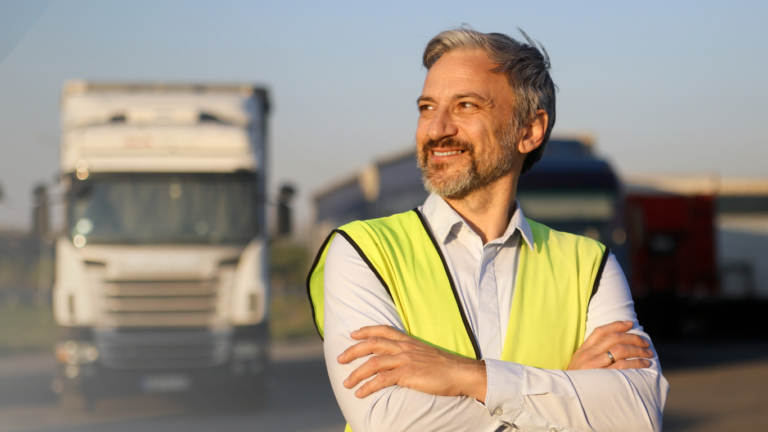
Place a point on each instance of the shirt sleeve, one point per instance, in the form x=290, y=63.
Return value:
x=590, y=400
x=355, y=298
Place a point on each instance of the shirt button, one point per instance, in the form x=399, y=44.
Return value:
x=552, y=430
x=499, y=412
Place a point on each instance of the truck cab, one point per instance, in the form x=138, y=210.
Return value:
x=161, y=269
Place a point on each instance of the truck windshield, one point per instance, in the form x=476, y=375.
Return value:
x=568, y=205
x=163, y=208
x=585, y=212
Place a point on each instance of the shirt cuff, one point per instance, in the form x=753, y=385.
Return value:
x=504, y=397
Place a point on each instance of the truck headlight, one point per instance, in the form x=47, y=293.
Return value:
x=74, y=352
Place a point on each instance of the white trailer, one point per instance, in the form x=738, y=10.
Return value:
x=161, y=271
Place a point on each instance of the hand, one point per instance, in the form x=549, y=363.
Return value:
x=612, y=337
x=408, y=362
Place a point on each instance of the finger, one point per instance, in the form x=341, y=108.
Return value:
x=380, y=381
x=600, y=332
x=371, y=367
x=600, y=360
x=630, y=364
x=619, y=338
x=372, y=345
x=384, y=331
x=621, y=352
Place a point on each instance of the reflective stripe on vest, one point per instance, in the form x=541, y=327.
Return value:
x=554, y=284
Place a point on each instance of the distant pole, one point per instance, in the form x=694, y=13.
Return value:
x=40, y=229
x=284, y=212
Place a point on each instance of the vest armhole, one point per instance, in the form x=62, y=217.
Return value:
x=453, y=285
x=309, y=279
x=367, y=261
x=599, y=275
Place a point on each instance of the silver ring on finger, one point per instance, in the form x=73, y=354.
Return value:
x=610, y=356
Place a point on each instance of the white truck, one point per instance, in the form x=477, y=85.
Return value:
x=161, y=272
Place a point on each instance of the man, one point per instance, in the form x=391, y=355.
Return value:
x=462, y=315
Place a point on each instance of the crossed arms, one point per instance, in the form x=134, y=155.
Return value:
x=410, y=386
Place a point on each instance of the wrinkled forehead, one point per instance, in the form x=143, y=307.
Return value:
x=464, y=71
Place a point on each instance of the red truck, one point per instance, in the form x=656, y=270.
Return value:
x=673, y=261
x=698, y=249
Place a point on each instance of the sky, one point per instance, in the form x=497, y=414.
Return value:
x=668, y=87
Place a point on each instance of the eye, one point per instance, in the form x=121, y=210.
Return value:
x=467, y=105
x=423, y=108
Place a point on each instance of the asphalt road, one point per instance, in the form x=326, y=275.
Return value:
x=714, y=387
x=300, y=399
x=719, y=386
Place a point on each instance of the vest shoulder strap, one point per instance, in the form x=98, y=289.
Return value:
x=404, y=256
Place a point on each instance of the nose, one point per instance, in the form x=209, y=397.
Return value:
x=442, y=125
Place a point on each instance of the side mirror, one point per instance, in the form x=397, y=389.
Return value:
x=284, y=216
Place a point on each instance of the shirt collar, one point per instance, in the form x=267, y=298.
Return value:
x=443, y=219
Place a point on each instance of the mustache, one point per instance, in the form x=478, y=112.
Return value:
x=449, y=142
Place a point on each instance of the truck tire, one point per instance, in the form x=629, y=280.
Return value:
x=75, y=401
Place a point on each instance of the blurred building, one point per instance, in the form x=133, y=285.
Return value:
x=388, y=186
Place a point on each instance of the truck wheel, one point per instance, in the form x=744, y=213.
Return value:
x=75, y=401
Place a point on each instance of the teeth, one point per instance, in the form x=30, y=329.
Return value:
x=448, y=153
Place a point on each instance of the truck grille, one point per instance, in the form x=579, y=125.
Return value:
x=162, y=349
x=159, y=303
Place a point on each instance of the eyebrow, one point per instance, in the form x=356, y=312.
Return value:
x=471, y=95
x=455, y=97
x=424, y=99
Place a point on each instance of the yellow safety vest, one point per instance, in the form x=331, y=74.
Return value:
x=555, y=283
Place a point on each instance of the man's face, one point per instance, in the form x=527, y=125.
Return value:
x=465, y=137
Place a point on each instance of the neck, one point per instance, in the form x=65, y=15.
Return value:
x=488, y=209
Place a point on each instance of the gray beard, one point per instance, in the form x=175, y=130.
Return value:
x=480, y=172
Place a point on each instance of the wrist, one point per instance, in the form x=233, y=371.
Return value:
x=475, y=380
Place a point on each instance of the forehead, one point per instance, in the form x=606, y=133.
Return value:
x=464, y=71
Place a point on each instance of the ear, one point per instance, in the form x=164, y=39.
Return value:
x=533, y=135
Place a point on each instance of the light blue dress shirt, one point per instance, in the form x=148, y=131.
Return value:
x=519, y=397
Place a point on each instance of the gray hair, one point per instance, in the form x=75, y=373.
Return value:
x=526, y=67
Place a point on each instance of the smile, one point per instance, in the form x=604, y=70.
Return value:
x=447, y=153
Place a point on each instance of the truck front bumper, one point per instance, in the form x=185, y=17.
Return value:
x=162, y=361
